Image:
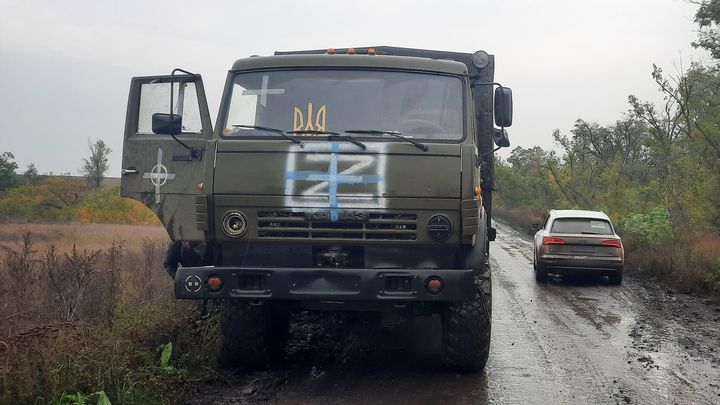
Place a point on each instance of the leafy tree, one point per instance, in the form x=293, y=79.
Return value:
x=524, y=179
x=708, y=20
x=655, y=171
x=31, y=174
x=8, y=166
x=95, y=166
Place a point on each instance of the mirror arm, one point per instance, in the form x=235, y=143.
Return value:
x=194, y=153
x=478, y=84
x=487, y=153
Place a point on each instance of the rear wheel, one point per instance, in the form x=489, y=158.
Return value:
x=616, y=277
x=253, y=336
x=540, y=274
x=466, y=329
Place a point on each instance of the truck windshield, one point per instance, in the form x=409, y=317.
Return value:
x=418, y=105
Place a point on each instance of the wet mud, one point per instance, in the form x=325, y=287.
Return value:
x=572, y=340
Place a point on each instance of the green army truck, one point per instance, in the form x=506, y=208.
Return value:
x=355, y=179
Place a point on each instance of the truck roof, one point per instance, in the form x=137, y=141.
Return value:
x=358, y=61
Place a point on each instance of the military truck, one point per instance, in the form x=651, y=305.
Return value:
x=355, y=179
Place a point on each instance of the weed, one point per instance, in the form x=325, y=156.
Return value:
x=88, y=319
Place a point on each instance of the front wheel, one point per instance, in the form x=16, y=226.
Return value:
x=466, y=329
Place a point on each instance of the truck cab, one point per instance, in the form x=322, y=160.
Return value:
x=341, y=180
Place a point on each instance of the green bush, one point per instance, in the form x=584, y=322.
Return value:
x=651, y=229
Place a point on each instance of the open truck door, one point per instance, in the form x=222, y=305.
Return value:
x=165, y=153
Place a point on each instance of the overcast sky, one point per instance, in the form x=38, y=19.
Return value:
x=65, y=66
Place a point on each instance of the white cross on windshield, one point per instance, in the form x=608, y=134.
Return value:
x=264, y=91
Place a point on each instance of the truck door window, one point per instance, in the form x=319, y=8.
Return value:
x=155, y=98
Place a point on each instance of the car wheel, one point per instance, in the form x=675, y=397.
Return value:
x=540, y=274
x=616, y=277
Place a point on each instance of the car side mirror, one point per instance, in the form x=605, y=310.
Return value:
x=167, y=124
x=503, y=107
x=534, y=228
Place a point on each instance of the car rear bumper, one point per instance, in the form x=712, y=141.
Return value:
x=581, y=264
x=310, y=284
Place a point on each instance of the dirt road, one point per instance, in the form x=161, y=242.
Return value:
x=569, y=341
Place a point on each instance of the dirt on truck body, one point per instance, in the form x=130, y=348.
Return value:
x=336, y=180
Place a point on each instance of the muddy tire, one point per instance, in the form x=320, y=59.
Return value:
x=466, y=329
x=616, y=277
x=253, y=336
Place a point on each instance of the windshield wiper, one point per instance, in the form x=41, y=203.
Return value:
x=330, y=135
x=396, y=134
x=273, y=130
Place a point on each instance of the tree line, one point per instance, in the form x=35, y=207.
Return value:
x=94, y=167
x=655, y=171
x=31, y=196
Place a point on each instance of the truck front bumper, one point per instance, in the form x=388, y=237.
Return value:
x=322, y=284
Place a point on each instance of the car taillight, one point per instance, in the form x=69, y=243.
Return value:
x=612, y=243
x=550, y=240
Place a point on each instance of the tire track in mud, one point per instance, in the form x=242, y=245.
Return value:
x=549, y=331
x=568, y=341
x=601, y=325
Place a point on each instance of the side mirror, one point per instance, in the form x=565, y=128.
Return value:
x=534, y=228
x=501, y=138
x=503, y=107
x=166, y=124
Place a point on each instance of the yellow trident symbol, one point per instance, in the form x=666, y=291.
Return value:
x=299, y=120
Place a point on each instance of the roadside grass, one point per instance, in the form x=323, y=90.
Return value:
x=87, y=311
x=688, y=262
x=519, y=218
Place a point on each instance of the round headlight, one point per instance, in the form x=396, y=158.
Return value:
x=480, y=59
x=439, y=227
x=234, y=224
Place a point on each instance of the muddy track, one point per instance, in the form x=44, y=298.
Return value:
x=568, y=341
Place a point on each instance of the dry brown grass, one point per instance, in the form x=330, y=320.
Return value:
x=86, y=236
x=690, y=263
x=521, y=218
x=84, y=308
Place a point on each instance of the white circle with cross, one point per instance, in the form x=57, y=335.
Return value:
x=158, y=175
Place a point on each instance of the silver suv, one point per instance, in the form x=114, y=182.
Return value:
x=578, y=242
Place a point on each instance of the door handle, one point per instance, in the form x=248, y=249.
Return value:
x=129, y=170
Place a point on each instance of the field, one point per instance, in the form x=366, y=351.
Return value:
x=87, y=311
x=85, y=236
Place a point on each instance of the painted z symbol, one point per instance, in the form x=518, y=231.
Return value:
x=364, y=162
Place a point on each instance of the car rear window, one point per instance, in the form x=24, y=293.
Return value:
x=582, y=225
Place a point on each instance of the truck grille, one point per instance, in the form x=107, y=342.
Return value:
x=294, y=225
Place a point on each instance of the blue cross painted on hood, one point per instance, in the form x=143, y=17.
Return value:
x=333, y=178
